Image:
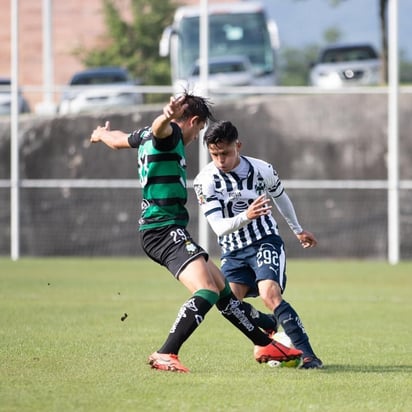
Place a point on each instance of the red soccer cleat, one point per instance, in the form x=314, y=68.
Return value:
x=166, y=362
x=277, y=352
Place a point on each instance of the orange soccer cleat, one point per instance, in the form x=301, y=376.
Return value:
x=277, y=352
x=166, y=362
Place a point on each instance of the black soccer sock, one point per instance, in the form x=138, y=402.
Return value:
x=190, y=315
x=238, y=314
x=264, y=321
x=287, y=317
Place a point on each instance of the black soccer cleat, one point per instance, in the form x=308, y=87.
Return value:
x=311, y=362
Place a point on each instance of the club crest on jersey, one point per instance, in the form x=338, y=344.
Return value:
x=260, y=187
x=191, y=248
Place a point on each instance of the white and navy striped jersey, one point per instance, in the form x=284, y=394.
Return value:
x=225, y=197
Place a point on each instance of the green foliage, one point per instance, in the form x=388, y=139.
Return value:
x=332, y=35
x=135, y=44
x=65, y=348
x=294, y=65
x=405, y=71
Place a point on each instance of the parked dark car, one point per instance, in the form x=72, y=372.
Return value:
x=5, y=98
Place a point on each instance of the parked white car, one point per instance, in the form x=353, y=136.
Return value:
x=99, y=88
x=5, y=98
x=223, y=71
x=346, y=65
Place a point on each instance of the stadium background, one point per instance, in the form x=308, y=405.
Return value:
x=309, y=138
x=75, y=23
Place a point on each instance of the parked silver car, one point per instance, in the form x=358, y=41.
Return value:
x=346, y=65
x=223, y=71
x=99, y=88
x=5, y=98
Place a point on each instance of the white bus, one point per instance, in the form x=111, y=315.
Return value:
x=235, y=29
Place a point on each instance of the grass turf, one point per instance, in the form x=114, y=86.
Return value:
x=64, y=347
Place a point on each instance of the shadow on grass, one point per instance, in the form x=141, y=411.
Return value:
x=367, y=368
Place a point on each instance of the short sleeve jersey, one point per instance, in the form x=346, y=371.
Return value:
x=162, y=175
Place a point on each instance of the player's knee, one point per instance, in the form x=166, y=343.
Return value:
x=271, y=299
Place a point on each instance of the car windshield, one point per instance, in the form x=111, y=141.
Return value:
x=222, y=67
x=5, y=86
x=348, y=54
x=242, y=34
x=92, y=79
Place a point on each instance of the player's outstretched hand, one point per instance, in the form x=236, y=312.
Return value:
x=97, y=134
x=175, y=108
x=307, y=239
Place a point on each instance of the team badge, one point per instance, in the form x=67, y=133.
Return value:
x=260, y=186
x=191, y=248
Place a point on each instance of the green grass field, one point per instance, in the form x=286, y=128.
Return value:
x=63, y=346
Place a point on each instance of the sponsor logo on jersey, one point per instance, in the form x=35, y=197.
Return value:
x=234, y=195
x=201, y=198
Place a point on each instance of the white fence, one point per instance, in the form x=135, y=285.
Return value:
x=22, y=231
x=98, y=217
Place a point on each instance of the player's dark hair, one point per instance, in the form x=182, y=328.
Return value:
x=220, y=132
x=197, y=106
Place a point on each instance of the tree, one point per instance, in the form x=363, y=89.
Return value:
x=135, y=44
x=294, y=64
x=383, y=7
x=332, y=35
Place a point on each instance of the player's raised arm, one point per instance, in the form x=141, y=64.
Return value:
x=115, y=139
x=173, y=110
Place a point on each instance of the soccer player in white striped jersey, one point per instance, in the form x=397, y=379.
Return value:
x=234, y=194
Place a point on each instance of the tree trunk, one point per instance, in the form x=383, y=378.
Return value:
x=384, y=39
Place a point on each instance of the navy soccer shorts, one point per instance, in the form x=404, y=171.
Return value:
x=172, y=247
x=264, y=259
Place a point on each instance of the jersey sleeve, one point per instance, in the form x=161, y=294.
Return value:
x=286, y=209
x=281, y=199
x=273, y=183
x=135, y=138
x=168, y=143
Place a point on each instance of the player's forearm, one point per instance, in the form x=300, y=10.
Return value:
x=161, y=127
x=223, y=226
x=115, y=139
x=175, y=109
x=285, y=207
